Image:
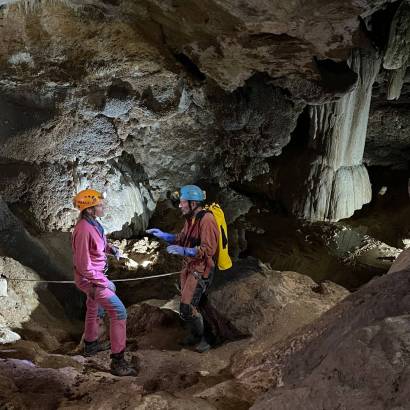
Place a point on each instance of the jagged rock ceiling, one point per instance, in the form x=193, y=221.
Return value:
x=137, y=98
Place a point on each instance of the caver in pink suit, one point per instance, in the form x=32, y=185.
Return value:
x=89, y=251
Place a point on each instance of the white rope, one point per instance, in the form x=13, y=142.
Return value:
x=71, y=281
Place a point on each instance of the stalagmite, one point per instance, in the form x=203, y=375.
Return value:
x=338, y=182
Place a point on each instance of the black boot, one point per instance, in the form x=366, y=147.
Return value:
x=120, y=367
x=190, y=340
x=92, y=348
x=198, y=326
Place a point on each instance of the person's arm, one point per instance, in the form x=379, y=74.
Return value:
x=82, y=259
x=168, y=237
x=209, y=235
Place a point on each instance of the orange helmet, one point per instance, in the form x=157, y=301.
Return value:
x=87, y=198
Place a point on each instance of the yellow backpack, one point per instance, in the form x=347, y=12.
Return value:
x=224, y=261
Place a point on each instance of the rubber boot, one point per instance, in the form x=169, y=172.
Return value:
x=120, y=367
x=198, y=326
x=190, y=340
x=92, y=348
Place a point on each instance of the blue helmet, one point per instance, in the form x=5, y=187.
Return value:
x=192, y=193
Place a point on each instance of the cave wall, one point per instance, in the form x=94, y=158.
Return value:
x=139, y=98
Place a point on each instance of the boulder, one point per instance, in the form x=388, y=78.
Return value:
x=354, y=356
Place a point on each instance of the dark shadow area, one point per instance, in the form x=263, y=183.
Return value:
x=336, y=76
x=387, y=216
x=120, y=90
x=190, y=67
x=20, y=113
x=378, y=24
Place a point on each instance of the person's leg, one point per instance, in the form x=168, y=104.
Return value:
x=198, y=321
x=117, y=313
x=118, y=319
x=91, y=324
x=194, y=288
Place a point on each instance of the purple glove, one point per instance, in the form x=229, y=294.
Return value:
x=180, y=250
x=116, y=252
x=169, y=237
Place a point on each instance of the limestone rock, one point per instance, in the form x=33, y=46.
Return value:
x=164, y=401
x=386, y=142
x=8, y=336
x=398, y=46
x=232, y=85
x=361, y=372
x=357, y=351
x=23, y=299
x=258, y=301
x=396, y=81
x=247, y=33
x=337, y=183
x=233, y=204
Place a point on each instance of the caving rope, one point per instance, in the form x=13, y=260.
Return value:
x=72, y=282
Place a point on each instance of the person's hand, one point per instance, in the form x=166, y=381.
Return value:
x=180, y=250
x=116, y=252
x=169, y=237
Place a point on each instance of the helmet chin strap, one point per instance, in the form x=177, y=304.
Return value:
x=191, y=210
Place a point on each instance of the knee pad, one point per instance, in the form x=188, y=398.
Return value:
x=185, y=311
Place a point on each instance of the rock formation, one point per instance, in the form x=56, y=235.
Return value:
x=398, y=49
x=338, y=183
x=354, y=356
x=29, y=309
x=277, y=110
x=182, y=99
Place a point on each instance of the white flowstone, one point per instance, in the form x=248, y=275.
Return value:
x=127, y=203
x=395, y=83
x=338, y=182
x=8, y=336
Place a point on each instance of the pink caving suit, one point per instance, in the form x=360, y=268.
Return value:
x=89, y=254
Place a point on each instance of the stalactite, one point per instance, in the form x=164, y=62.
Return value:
x=397, y=51
x=395, y=82
x=338, y=182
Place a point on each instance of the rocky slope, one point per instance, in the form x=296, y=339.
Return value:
x=354, y=356
x=168, y=375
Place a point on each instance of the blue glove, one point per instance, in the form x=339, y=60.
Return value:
x=111, y=286
x=116, y=252
x=169, y=237
x=180, y=250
